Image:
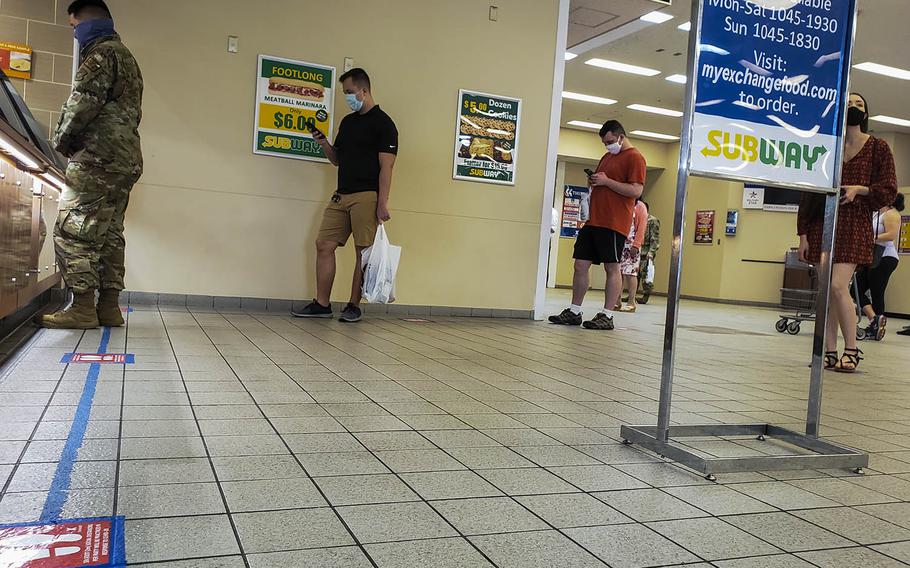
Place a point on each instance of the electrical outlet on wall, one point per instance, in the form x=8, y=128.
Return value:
x=233, y=44
x=494, y=13
x=348, y=64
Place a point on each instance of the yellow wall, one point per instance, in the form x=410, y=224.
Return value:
x=211, y=218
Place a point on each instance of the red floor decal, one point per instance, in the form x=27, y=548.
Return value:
x=106, y=358
x=65, y=545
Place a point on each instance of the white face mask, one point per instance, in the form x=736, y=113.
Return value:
x=615, y=148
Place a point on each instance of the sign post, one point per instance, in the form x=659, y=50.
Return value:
x=765, y=104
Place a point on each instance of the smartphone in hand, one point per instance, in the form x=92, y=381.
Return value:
x=589, y=172
x=317, y=134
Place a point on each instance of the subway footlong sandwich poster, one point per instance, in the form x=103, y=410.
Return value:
x=486, y=138
x=290, y=96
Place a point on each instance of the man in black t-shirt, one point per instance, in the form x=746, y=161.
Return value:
x=364, y=151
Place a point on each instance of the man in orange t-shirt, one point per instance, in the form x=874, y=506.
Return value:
x=617, y=183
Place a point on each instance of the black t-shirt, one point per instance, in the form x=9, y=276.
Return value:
x=361, y=137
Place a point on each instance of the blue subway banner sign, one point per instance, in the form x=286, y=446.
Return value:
x=770, y=90
x=572, y=203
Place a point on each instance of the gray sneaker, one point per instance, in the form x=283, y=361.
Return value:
x=600, y=321
x=351, y=314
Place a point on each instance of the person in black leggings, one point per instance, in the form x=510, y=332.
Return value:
x=872, y=282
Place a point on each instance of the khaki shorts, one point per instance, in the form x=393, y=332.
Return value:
x=346, y=214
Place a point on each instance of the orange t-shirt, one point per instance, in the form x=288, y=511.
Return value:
x=609, y=209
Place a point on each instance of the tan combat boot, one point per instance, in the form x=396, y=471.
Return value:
x=80, y=315
x=109, y=314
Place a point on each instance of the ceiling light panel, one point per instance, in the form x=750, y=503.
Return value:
x=584, y=124
x=655, y=135
x=624, y=67
x=890, y=120
x=587, y=98
x=886, y=70
x=655, y=110
x=656, y=17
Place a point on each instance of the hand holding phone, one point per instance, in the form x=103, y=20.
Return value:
x=590, y=175
x=317, y=134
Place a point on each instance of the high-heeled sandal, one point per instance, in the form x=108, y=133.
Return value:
x=849, y=361
x=831, y=360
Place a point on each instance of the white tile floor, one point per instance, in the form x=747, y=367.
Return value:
x=258, y=440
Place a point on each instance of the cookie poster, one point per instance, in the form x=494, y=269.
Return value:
x=486, y=138
x=292, y=96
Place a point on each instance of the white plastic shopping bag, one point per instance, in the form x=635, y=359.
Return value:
x=649, y=277
x=584, y=206
x=380, y=265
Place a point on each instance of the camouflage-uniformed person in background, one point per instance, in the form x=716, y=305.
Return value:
x=98, y=131
x=648, y=252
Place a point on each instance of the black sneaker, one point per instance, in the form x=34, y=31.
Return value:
x=313, y=310
x=567, y=317
x=351, y=314
x=870, y=333
x=600, y=321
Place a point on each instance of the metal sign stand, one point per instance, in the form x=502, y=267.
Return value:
x=660, y=438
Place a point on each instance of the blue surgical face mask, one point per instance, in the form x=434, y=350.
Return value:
x=353, y=102
x=89, y=31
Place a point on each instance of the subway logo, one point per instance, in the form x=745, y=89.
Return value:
x=745, y=147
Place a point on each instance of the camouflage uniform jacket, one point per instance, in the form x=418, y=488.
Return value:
x=652, y=237
x=99, y=124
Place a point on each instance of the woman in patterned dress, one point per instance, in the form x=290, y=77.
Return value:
x=868, y=183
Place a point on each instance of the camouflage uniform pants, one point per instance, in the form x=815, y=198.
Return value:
x=88, y=236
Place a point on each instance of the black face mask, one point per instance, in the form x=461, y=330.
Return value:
x=855, y=116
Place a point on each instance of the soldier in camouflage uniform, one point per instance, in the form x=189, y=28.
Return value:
x=98, y=132
x=648, y=252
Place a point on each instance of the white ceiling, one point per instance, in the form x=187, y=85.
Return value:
x=883, y=36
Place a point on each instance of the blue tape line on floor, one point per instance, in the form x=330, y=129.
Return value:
x=56, y=498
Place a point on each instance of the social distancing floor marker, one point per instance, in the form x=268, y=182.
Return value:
x=102, y=358
x=63, y=544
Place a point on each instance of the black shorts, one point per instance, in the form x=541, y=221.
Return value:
x=599, y=245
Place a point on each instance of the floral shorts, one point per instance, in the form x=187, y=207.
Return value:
x=629, y=265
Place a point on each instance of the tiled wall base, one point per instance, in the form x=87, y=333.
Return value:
x=241, y=305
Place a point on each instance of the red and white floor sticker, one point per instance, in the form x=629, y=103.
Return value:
x=105, y=358
x=65, y=545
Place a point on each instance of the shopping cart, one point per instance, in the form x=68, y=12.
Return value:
x=800, y=293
